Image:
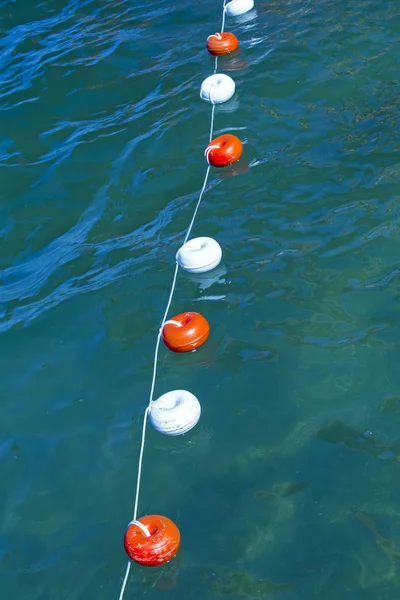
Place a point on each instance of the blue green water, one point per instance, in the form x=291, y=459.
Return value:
x=289, y=486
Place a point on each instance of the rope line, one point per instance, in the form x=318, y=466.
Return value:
x=142, y=527
x=172, y=322
x=223, y=17
x=164, y=319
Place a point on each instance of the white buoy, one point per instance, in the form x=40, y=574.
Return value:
x=217, y=88
x=175, y=413
x=199, y=255
x=238, y=7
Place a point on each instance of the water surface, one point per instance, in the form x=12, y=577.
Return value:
x=289, y=485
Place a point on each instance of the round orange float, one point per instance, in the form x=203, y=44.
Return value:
x=224, y=150
x=185, y=332
x=155, y=549
x=222, y=43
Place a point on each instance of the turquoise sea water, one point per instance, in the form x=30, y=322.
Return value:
x=289, y=486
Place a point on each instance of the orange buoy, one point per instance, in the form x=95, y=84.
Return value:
x=158, y=547
x=222, y=43
x=224, y=150
x=185, y=332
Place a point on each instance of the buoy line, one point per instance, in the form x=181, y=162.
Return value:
x=153, y=539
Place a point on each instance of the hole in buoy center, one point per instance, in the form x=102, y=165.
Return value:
x=152, y=529
x=220, y=81
x=196, y=245
x=141, y=529
x=170, y=403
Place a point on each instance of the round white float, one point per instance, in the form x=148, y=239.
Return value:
x=199, y=255
x=238, y=7
x=175, y=412
x=217, y=88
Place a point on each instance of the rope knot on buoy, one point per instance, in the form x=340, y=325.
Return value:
x=141, y=527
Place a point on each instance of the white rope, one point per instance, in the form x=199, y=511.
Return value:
x=141, y=526
x=223, y=16
x=155, y=360
x=208, y=150
x=198, y=204
x=128, y=568
x=212, y=121
x=171, y=322
x=216, y=35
